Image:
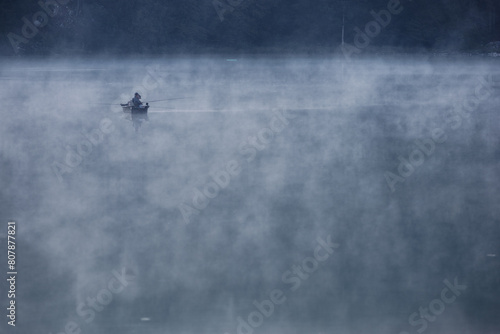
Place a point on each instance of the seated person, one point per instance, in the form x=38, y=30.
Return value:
x=137, y=101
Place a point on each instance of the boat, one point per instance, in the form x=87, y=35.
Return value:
x=131, y=109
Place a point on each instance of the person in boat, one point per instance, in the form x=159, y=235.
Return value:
x=137, y=101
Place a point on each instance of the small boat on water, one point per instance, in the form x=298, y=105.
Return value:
x=131, y=109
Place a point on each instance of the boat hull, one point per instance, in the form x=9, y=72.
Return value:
x=135, y=110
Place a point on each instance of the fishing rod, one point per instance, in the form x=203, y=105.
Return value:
x=319, y=109
x=175, y=98
x=116, y=104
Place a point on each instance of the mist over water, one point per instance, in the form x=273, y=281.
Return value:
x=343, y=128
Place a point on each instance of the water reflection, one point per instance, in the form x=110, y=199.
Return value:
x=138, y=120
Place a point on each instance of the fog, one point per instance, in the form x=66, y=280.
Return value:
x=249, y=167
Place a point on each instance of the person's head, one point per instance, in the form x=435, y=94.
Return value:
x=137, y=95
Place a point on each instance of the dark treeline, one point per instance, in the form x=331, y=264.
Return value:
x=159, y=26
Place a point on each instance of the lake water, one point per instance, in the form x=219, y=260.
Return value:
x=266, y=195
